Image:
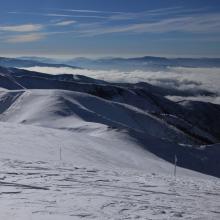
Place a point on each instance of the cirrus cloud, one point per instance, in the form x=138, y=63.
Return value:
x=65, y=23
x=22, y=28
x=25, y=38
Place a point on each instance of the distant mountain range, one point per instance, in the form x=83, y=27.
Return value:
x=122, y=64
x=126, y=64
x=25, y=63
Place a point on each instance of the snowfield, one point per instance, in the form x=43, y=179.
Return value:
x=92, y=181
x=77, y=148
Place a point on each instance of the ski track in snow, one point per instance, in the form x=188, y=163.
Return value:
x=59, y=190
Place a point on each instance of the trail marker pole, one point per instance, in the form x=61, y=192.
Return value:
x=60, y=153
x=175, y=163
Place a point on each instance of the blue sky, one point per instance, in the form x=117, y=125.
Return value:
x=94, y=28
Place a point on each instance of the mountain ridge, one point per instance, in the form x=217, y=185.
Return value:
x=134, y=63
x=78, y=103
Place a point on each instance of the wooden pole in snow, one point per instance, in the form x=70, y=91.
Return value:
x=60, y=153
x=175, y=163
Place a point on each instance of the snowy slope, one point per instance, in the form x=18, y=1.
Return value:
x=73, y=147
x=81, y=112
x=101, y=176
x=141, y=96
x=62, y=109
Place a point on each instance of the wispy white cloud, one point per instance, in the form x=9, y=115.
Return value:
x=65, y=23
x=206, y=23
x=22, y=28
x=91, y=11
x=162, y=20
x=57, y=15
x=24, y=38
x=144, y=14
x=119, y=15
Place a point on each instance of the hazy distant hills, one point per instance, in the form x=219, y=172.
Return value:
x=25, y=63
x=141, y=63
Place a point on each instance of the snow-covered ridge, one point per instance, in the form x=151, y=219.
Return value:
x=74, y=147
x=82, y=104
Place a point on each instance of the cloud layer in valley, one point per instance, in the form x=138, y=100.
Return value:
x=193, y=79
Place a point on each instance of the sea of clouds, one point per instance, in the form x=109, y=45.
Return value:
x=174, y=77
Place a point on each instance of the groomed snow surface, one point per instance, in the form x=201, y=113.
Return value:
x=98, y=177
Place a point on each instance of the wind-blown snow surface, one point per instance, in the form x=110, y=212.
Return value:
x=93, y=181
x=73, y=147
